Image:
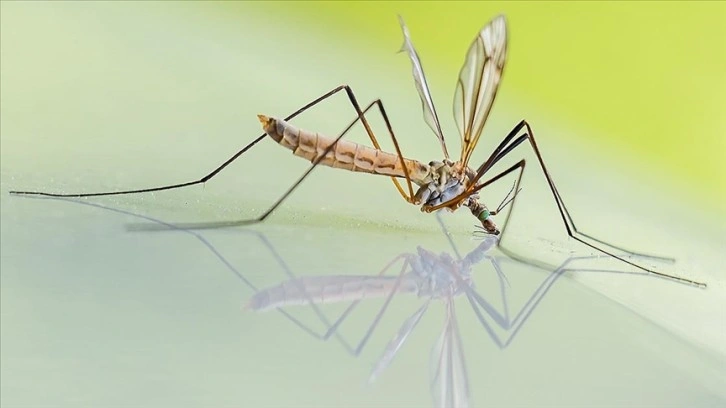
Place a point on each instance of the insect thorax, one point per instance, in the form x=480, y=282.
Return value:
x=434, y=273
x=448, y=180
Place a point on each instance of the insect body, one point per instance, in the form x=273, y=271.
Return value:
x=430, y=275
x=438, y=182
x=441, y=184
x=425, y=274
x=344, y=154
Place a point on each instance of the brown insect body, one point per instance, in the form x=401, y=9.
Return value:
x=438, y=181
x=345, y=154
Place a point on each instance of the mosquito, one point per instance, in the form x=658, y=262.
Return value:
x=444, y=184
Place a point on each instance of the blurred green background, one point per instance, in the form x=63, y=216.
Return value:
x=643, y=79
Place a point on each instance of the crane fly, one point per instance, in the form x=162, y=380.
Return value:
x=440, y=184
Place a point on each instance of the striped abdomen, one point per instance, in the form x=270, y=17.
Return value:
x=345, y=154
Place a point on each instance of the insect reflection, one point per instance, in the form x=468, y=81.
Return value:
x=433, y=278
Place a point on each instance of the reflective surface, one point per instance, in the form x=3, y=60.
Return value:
x=94, y=314
x=99, y=316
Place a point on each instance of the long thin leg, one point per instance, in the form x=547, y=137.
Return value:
x=566, y=218
x=498, y=153
x=447, y=234
x=513, y=326
x=194, y=182
x=360, y=116
x=382, y=310
x=228, y=265
x=408, y=197
x=334, y=327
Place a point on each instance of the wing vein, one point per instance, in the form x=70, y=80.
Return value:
x=478, y=81
x=427, y=102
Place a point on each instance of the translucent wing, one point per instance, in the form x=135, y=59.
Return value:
x=478, y=82
x=423, y=89
x=449, y=380
x=394, y=346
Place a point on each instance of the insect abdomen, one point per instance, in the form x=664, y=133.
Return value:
x=329, y=289
x=344, y=155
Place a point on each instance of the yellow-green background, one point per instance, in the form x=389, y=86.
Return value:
x=645, y=77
